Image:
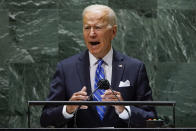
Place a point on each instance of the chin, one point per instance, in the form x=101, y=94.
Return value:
x=96, y=54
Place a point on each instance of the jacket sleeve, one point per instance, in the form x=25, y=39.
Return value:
x=139, y=114
x=52, y=114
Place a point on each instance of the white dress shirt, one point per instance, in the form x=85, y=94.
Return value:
x=107, y=66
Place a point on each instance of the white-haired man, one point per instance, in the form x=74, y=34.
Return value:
x=77, y=77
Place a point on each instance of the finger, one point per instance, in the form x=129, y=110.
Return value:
x=84, y=107
x=80, y=93
x=120, y=97
x=108, y=92
x=109, y=99
x=109, y=96
x=112, y=96
x=84, y=89
x=116, y=92
x=78, y=98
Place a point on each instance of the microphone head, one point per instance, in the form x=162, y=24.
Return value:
x=103, y=84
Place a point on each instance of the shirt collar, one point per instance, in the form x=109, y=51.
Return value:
x=107, y=58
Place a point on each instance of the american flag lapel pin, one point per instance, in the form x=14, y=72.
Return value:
x=120, y=65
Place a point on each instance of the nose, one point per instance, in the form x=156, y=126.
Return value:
x=92, y=32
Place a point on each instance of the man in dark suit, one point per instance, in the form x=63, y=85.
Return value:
x=76, y=78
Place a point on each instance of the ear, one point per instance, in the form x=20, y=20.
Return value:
x=114, y=31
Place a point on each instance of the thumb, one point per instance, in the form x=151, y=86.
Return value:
x=84, y=88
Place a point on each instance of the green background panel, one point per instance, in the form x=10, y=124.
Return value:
x=36, y=34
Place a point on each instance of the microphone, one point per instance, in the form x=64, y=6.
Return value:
x=101, y=84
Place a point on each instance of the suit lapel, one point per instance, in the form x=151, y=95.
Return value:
x=83, y=70
x=117, y=70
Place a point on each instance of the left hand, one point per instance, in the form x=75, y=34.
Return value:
x=109, y=96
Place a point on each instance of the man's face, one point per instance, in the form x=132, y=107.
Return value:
x=97, y=34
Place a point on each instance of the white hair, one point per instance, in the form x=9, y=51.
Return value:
x=112, y=20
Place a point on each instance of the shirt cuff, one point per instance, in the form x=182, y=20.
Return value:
x=124, y=115
x=66, y=114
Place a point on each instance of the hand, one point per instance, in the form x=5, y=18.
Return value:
x=109, y=96
x=78, y=96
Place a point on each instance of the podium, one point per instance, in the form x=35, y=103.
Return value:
x=107, y=103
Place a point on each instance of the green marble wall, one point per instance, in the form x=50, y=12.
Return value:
x=36, y=34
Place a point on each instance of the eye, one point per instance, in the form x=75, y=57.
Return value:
x=87, y=27
x=98, y=27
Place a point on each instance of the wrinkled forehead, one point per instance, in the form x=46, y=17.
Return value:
x=95, y=15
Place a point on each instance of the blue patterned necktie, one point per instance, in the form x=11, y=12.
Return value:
x=99, y=74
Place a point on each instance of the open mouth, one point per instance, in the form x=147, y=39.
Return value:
x=94, y=43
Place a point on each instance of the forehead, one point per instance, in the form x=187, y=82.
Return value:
x=95, y=16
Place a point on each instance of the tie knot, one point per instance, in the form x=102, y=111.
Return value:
x=100, y=62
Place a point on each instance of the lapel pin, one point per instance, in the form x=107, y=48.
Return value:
x=120, y=66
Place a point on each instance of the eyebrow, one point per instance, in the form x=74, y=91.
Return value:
x=86, y=25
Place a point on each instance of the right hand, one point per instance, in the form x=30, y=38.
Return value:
x=78, y=96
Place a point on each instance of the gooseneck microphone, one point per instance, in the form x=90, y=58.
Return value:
x=101, y=84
